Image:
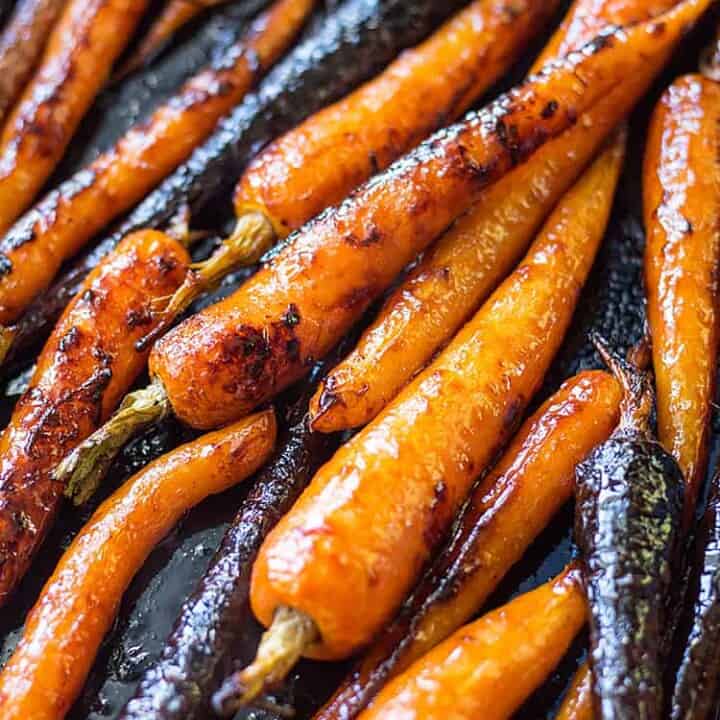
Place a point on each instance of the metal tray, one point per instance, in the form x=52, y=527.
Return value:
x=612, y=303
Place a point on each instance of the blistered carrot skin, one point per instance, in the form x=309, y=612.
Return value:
x=87, y=365
x=320, y=162
x=79, y=602
x=75, y=65
x=172, y=18
x=225, y=360
x=468, y=262
x=21, y=44
x=506, y=512
x=60, y=225
x=578, y=703
x=681, y=186
x=489, y=668
x=350, y=582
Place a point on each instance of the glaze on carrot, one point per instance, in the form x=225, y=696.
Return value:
x=63, y=222
x=343, y=559
x=87, y=365
x=319, y=162
x=505, y=513
x=21, y=44
x=468, y=262
x=81, y=50
x=578, y=703
x=79, y=602
x=489, y=668
x=681, y=187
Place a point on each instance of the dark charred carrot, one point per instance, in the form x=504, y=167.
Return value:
x=222, y=362
x=318, y=163
x=628, y=527
x=578, y=703
x=468, y=262
x=434, y=440
x=175, y=15
x=79, y=602
x=59, y=226
x=21, y=45
x=505, y=513
x=87, y=365
x=81, y=50
x=681, y=186
x=488, y=668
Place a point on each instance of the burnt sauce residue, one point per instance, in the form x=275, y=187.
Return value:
x=611, y=305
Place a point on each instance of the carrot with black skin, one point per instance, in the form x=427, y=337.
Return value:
x=319, y=162
x=80, y=53
x=578, y=703
x=505, y=513
x=681, y=188
x=491, y=666
x=173, y=17
x=468, y=262
x=21, y=44
x=343, y=584
x=60, y=225
x=82, y=373
x=79, y=602
x=232, y=356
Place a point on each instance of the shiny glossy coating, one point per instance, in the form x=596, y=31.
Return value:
x=21, y=44
x=681, y=187
x=505, y=513
x=318, y=163
x=227, y=359
x=79, y=602
x=341, y=49
x=80, y=53
x=65, y=220
x=353, y=545
x=578, y=702
x=489, y=668
x=468, y=262
x=86, y=367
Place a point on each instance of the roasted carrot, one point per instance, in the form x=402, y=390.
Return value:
x=577, y=704
x=81, y=50
x=21, y=45
x=681, y=187
x=83, y=371
x=318, y=163
x=79, y=602
x=227, y=359
x=175, y=15
x=72, y=214
x=358, y=540
x=504, y=515
x=467, y=263
x=489, y=668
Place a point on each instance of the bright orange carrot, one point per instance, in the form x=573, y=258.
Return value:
x=467, y=263
x=79, y=602
x=578, y=703
x=489, y=668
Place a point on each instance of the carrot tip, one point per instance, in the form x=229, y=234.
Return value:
x=83, y=469
x=7, y=338
x=280, y=648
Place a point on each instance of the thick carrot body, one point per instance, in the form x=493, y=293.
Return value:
x=318, y=163
x=21, y=45
x=85, y=43
x=682, y=261
x=224, y=361
x=467, y=263
x=85, y=368
x=578, y=703
x=490, y=667
x=507, y=511
x=79, y=602
x=353, y=545
x=59, y=226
